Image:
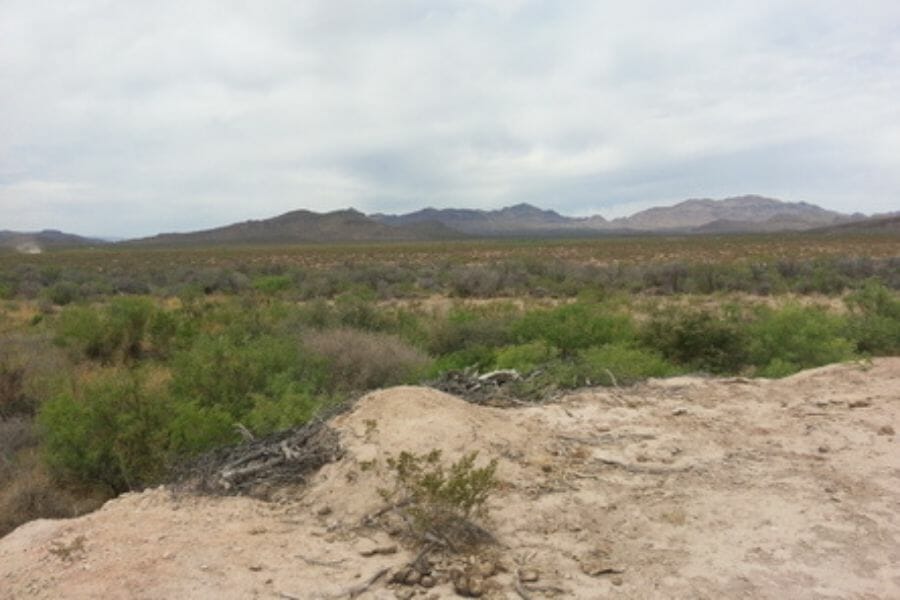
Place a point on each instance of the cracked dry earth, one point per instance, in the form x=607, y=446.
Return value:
x=678, y=488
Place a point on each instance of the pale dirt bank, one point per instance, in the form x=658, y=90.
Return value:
x=678, y=488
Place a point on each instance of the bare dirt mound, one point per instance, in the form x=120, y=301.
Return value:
x=678, y=488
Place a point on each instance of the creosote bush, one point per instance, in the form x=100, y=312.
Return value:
x=441, y=500
x=698, y=339
x=111, y=431
x=114, y=333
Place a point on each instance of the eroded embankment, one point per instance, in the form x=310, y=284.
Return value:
x=686, y=487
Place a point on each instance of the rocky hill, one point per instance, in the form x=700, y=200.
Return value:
x=889, y=224
x=521, y=219
x=731, y=215
x=304, y=226
x=742, y=213
x=37, y=241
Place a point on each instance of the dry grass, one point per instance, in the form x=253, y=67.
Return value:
x=363, y=360
x=27, y=492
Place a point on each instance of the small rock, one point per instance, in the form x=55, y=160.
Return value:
x=412, y=577
x=529, y=575
x=823, y=449
x=256, y=567
x=404, y=594
x=860, y=404
x=617, y=580
x=886, y=430
x=427, y=581
x=476, y=587
x=324, y=511
x=465, y=585
x=677, y=412
x=376, y=550
x=486, y=568
x=399, y=576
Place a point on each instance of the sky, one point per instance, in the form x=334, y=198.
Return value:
x=123, y=118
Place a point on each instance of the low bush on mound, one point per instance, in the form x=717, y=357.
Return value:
x=442, y=500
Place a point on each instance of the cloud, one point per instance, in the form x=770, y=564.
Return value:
x=174, y=116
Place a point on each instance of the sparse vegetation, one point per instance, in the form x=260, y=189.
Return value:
x=113, y=368
x=441, y=500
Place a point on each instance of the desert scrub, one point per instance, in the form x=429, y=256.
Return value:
x=875, y=319
x=365, y=360
x=795, y=337
x=439, y=502
x=698, y=339
x=110, y=430
x=572, y=327
x=114, y=333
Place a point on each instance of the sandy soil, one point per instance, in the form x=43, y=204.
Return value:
x=678, y=488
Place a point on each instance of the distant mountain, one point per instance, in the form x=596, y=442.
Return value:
x=742, y=213
x=35, y=242
x=889, y=223
x=521, y=219
x=303, y=226
x=731, y=215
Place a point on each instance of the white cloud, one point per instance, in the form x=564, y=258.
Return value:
x=173, y=116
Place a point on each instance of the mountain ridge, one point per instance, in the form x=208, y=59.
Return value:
x=749, y=213
x=35, y=242
x=301, y=226
x=738, y=214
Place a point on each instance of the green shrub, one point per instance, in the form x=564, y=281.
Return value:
x=439, y=499
x=163, y=332
x=195, y=428
x=469, y=329
x=229, y=371
x=111, y=430
x=698, y=339
x=291, y=408
x=109, y=334
x=273, y=284
x=572, y=327
x=525, y=358
x=613, y=364
x=127, y=320
x=63, y=293
x=875, y=319
x=479, y=358
x=31, y=369
x=358, y=310
x=794, y=337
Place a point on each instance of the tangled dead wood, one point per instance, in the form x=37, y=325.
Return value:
x=255, y=467
x=477, y=388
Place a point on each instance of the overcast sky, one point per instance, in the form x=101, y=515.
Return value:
x=123, y=118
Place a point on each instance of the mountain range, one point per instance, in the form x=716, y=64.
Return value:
x=304, y=226
x=742, y=214
x=34, y=242
x=738, y=214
